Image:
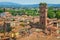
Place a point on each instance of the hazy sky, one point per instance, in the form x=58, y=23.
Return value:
x=32, y=1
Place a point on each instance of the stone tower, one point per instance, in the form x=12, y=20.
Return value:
x=43, y=15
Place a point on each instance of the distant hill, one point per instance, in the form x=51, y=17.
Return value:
x=53, y=5
x=9, y=4
x=15, y=5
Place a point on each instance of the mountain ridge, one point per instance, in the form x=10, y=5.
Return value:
x=15, y=5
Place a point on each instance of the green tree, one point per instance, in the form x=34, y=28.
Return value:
x=51, y=14
x=1, y=11
x=58, y=15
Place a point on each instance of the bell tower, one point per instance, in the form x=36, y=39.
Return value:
x=43, y=15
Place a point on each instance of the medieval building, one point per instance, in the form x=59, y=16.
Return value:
x=45, y=23
x=43, y=15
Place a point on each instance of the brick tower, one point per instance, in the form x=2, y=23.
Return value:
x=43, y=15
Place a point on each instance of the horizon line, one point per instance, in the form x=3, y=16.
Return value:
x=31, y=3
